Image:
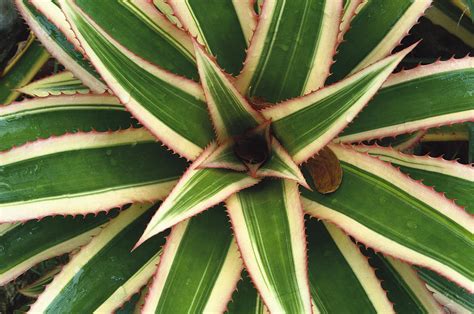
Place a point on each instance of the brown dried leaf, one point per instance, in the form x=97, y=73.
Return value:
x=325, y=170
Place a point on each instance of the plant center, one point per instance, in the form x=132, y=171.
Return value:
x=251, y=149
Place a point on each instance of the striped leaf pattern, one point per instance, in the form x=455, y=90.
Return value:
x=292, y=49
x=82, y=173
x=160, y=100
x=31, y=119
x=401, y=105
x=340, y=275
x=56, y=84
x=59, y=46
x=273, y=246
x=104, y=266
x=197, y=190
x=380, y=206
x=25, y=245
x=305, y=125
x=452, y=178
x=21, y=69
x=202, y=253
x=388, y=21
x=235, y=20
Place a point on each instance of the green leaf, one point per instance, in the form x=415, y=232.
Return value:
x=452, y=18
x=380, y=206
x=341, y=279
x=197, y=190
x=375, y=30
x=349, y=11
x=25, y=245
x=405, y=289
x=450, y=177
x=245, y=298
x=292, y=49
x=21, y=69
x=34, y=289
x=163, y=102
x=453, y=297
x=104, y=266
x=235, y=21
x=305, y=125
x=402, y=105
x=230, y=112
x=269, y=227
x=56, y=84
x=59, y=46
x=200, y=267
x=82, y=173
x=32, y=119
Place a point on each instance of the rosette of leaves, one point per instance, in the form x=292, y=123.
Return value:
x=222, y=133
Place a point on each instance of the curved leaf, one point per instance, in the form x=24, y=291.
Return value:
x=56, y=84
x=82, y=173
x=380, y=206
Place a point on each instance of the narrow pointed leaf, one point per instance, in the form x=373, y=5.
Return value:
x=246, y=299
x=340, y=277
x=31, y=119
x=197, y=190
x=103, y=266
x=131, y=286
x=292, y=49
x=25, y=245
x=376, y=29
x=83, y=173
x=450, y=177
x=455, y=20
x=34, y=289
x=405, y=289
x=280, y=165
x=58, y=45
x=448, y=133
x=350, y=9
x=200, y=252
x=305, y=125
x=223, y=157
x=163, y=102
x=401, y=106
x=230, y=112
x=57, y=84
x=235, y=21
x=21, y=69
x=268, y=224
x=450, y=295
x=380, y=206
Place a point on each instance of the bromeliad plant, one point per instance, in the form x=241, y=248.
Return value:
x=260, y=144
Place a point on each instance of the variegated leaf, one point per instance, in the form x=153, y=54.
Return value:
x=31, y=119
x=305, y=125
x=197, y=190
x=160, y=100
x=103, y=267
x=376, y=29
x=268, y=225
x=380, y=206
x=246, y=299
x=25, y=245
x=59, y=46
x=292, y=49
x=454, y=19
x=234, y=19
x=401, y=106
x=200, y=267
x=454, y=298
x=230, y=112
x=341, y=279
x=21, y=69
x=84, y=172
x=56, y=84
x=450, y=177
x=405, y=289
